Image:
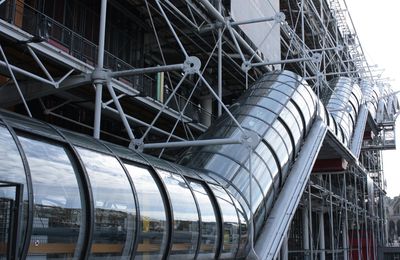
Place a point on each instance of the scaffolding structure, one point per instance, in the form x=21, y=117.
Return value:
x=153, y=75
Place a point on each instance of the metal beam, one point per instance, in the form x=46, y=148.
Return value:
x=100, y=63
x=140, y=71
x=216, y=15
x=272, y=235
x=220, y=141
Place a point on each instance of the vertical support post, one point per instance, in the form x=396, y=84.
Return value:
x=306, y=234
x=331, y=218
x=206, y=105
x=359, y=251
x=345, y=240
x=321, y=235
x=303, y=35
x=310, y=223
x=365, y=210
x=100, y=64
x=160, y=87
x=219, y=62
x=345, y=222
x=285, y=249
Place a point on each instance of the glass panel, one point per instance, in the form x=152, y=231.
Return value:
x=57, y=213
x=209, y=226
x=308, y=96
x=254, y=124
x=277, y=144
x=278, y=96
x=231, y=223
x=261, y=172
x=124, y=152
x=243, y=229
x=84, y=140
x=301, y=103
x=29, y=124
x=241, y=181
x=271, y=104
x=114, y=206
x=261, y=113
x=287, y=89
x=263, y=151
x=11, y=170
x=278, y=126
x=159, y=163
x=186, y=218
x=216, y=163
x=292, y=124
x=237, y=152
x=291, y=107
x=153, y=233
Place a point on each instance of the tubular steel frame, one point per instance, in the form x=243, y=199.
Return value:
x=347, y=59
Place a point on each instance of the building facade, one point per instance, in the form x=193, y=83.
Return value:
x=155, y=129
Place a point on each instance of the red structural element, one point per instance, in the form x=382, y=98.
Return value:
x=330, y=165
x=368, y=135
x=366, y=245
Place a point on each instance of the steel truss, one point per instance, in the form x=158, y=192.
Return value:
x=318, y=41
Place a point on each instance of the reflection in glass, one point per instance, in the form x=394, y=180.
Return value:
x=57, y=213
x=209, y=227
x=231, y=223
x=186, y=218
x=153, y=230
x=11, y=170
x=114, y=206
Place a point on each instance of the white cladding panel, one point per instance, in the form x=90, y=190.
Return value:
x=265, y=35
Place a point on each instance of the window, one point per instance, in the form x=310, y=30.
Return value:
x=114, y=205
x=153, y=229
x=209, y=226
x=11, y=170
x=230, y=240
x=186, y=218
x=57, y=211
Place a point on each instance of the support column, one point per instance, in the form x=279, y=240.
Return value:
x=345, y=240
x=321, y=235
x=98, y=82
x=219, y=62
x=205, y=115
x=285, y=249
x=306, y=234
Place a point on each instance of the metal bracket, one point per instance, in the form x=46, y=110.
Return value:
x=280, y=17
x=100, y=75
x=191, y=65
x=136, y=145
x=316, y=57
x=246, y=66
x=250, y=139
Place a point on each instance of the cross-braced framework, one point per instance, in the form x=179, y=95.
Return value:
x=186, y=63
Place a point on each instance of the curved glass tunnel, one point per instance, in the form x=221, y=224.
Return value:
x=279, y=108
x=86, y=198
x=78, y=197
